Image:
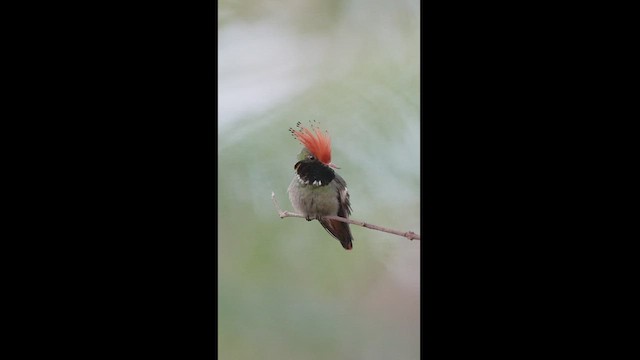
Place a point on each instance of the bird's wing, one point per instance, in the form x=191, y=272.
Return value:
x=338, y=229
x=343, y=197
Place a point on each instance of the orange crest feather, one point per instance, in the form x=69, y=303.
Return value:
x=319, y=145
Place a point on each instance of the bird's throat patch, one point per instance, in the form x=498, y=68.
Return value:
x=313, y=172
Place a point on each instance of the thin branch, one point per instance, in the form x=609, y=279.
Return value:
x=408, y=234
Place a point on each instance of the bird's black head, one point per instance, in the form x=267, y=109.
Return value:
x=313, y=172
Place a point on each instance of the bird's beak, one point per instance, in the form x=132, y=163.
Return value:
x=334, y=166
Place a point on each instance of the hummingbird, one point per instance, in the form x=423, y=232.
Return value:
x=316, y=189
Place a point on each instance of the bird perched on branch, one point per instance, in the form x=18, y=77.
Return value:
x=316, y=190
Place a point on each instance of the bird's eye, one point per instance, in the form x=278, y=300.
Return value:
x=310, y=157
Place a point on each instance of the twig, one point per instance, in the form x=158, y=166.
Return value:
x=408, y=234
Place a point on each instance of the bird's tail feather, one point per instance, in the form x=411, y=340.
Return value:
x=339, y=230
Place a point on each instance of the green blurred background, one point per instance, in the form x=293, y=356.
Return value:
x=287, y=289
